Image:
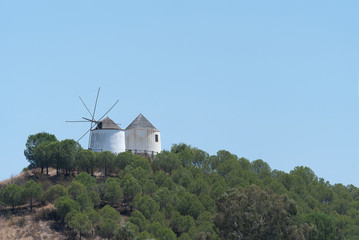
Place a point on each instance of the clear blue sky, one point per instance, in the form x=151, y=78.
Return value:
x=276, y=80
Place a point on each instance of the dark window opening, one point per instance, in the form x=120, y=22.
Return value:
x=156, y=138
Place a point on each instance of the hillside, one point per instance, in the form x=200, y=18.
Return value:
x=180, y=194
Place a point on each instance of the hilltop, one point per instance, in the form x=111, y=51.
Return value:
x=180, y=194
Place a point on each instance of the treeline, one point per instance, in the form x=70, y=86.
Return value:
x=43, y=151
x=187, y=194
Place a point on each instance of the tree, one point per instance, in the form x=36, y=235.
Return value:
x=305, y=173
x=68, y=150
x=184, y=153
x=181, y=224
x=105, y=160
x=221, y=157
x=127, y=231
x=160, y=232
x=64, y=205
x=55, y=192
x=2, y=204
x=114, y=193
x=324, y=226
x=261, y=168
x=31, y=191
x=95, y=197
x=54, y=156
x=86, y=160
x=130, y=186
x=12, y=195
x=160, y=177
x=201, y=159
x=109, y=223
x=84, y=201
x=146, y=205
x=144, y=236
x=81, y=223
x=33, y=141
x=189, y=204
x=185, y=236
x=75, y=189
x=42, y=156
x=86, y=179
x=124, y=159
x=166, y=161
x=149, y=187
x=182, y=176
x=93, y=216
x=138, y=219
x=109, y=212
x=163, y=196
x=253, y=213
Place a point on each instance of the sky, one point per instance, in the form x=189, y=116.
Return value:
x=271, y=80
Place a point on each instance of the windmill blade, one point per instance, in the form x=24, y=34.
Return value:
x=89, y=120
x=77, y=121
x=108, y=111
x=94, y=110
x=93, y=116
x=86, y=107
x=86, y=133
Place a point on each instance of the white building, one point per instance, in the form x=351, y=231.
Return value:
x=107, y=136
x=142, y=137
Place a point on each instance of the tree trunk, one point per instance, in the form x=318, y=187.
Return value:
x=42, y=169
x=47, y=170
x=31, y=205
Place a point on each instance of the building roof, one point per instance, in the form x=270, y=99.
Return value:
x=107, y=123
x=140, y=123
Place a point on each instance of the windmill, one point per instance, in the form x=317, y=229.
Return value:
x=105, y=135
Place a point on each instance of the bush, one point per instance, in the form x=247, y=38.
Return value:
x=45, y=214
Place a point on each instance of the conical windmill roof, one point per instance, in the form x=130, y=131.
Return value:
x=107, y=123
x=140, y=123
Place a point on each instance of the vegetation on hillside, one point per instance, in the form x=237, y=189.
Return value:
x=181, y=194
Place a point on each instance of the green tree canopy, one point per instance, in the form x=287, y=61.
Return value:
x=114, y=193
x=32, y=191
x=12, y=195
x=105, y=160
x=64, y=205
x=131, y=187
x=109, y=223
x=75, y=189
x=86, y=160
x=146, y=205
x=33, y=141
x=54, y=192
x=253, y=213
x=81, y=223
x=166, y=161
x=68, y=150
x=86, y=179
x=324, y=226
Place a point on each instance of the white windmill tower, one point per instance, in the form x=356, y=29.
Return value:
x=105, y=134
x=142, y=137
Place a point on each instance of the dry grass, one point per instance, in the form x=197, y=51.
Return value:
x=22, y=177
x=27, y=229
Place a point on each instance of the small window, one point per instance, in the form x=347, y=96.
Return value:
x=156, y=138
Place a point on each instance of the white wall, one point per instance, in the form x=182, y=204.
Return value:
x=142, y=140
x=108, y=140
